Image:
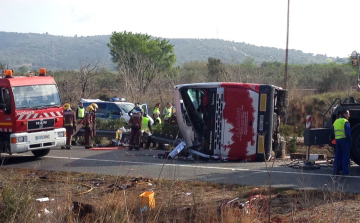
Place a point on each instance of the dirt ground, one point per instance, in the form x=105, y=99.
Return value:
x=174, y=200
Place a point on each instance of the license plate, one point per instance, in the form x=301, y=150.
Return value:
x=261, y=124
x=42, y=137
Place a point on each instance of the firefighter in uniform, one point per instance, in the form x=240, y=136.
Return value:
x=95, y=106
x=88, y=125
x=342, y=134
x=69, y=124
x=135, y=123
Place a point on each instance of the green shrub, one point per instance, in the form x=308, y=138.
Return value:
x=299, y=130
x=166, y=130
x=286, y=130
x=291, y=145
x=110, y=124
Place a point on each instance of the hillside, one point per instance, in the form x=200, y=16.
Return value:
x=63, y=53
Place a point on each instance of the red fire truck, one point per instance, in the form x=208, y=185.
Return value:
x=31, y=115
x=233, y=121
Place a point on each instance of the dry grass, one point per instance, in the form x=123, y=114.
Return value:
x=107, y=202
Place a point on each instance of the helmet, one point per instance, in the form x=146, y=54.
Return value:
x=157, y=113
x=89, y=108
x=157, y=104
x=95, y=106
x=66, y=106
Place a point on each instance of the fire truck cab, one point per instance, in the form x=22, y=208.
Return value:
x=31, y=115
x=233, y=121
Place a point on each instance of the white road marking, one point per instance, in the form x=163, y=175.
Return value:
x=146, y=163
x=195, y=166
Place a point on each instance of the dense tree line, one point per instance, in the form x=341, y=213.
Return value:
x=321, y=78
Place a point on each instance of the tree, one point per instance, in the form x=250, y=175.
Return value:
x=215, y=69
x=249, y=62
x=82, y=83
x=140, y=58
x=23, y=69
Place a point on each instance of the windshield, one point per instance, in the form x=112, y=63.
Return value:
x=195, y=107
x=126, y=107
x=33, y=96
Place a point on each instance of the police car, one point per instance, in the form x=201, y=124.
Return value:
x=114, y=109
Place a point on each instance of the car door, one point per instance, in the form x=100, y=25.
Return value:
x=114, y=111
x=101, y=111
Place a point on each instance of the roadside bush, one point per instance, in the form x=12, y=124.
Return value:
x=110, y=124
x=166, y=130
x=299, y=130
x=286, y=130
x=291, y=145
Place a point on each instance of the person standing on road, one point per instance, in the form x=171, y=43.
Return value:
x=69, y=124
x=80, y=112
x=88, y=125
x=146, y=123
x=93, y=114
x=157, y=121
x=135, y=123
x=342, y=134
x=167, y=112
x=156, y=109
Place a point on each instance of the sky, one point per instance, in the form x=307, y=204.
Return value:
x=316, y=26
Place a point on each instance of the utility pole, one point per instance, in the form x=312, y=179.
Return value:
x=287, y=48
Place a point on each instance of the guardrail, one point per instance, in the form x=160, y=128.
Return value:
x=155, y=139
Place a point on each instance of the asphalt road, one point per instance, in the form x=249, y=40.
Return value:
x=145, y=163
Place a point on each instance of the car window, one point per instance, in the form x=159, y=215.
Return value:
x=127, y=107
x=113, y=107
x=102, y=108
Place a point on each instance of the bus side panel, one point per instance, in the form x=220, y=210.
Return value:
x=239, y=129
x=265, y=124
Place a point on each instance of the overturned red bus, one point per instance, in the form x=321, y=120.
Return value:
x=233, y=121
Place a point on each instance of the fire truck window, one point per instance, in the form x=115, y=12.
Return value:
x=7, y=101
x=36, y=96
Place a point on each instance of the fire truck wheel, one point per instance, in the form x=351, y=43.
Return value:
x=355, y=144
x=41, y=152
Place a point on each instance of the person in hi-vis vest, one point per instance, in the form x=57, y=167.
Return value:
x=342, y=133
x=167, y=112
x=80, y=112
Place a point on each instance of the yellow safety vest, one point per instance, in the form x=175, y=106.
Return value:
x=339, y=128
x=81, y=112
x=168, y=112
x=159, y=119
x=145, y=123
x=156, y=110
